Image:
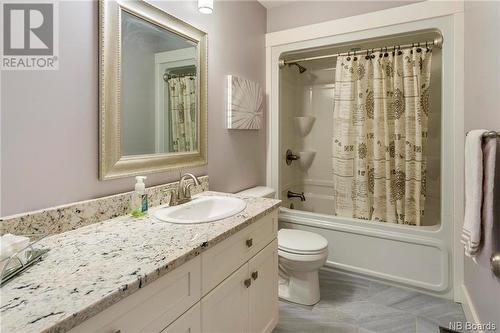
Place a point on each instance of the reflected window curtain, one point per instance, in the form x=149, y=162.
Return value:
x=182, y=113
x=379, y=135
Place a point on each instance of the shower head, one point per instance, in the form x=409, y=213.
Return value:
x=302, y=69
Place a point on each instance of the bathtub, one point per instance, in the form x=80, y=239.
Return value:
x=408, y=256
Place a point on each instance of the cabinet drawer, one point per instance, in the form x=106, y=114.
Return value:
x=189, y=322
x=152, y=308
x=224, y=258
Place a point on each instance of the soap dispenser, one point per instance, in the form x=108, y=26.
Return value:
x=139, y=197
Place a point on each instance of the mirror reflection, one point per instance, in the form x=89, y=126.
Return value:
x=159, y=111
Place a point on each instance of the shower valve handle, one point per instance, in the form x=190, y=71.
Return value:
x=290, y=156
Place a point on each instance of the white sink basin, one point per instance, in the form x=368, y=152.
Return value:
x=202, y=209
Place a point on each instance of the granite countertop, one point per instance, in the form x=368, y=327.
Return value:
x=91, y=268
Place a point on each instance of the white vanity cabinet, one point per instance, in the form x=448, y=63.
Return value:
x=232, y=287
x=263, y=293
x=189, y=322
x=247, y=301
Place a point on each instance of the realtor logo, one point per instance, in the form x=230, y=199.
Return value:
x=29, y=36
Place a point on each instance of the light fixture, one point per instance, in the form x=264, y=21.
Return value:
x=206, y=6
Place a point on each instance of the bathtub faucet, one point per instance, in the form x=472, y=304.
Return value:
x=291, y=194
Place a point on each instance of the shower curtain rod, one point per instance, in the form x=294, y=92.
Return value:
x=173, y=76
x=438, y=42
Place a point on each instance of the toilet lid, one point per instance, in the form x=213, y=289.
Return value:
x=302, y=242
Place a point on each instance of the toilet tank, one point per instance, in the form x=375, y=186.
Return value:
x=258, y=191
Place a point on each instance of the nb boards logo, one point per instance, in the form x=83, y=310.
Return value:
x=29, y=36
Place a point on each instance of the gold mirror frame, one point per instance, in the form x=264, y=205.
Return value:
x=111, y=162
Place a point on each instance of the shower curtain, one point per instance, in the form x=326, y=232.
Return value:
x=182, y=113
x=380, y=134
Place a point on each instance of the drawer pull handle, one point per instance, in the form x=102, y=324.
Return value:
x=248, y=282
x=117, y=331
x=255, y=275
x=249, y=242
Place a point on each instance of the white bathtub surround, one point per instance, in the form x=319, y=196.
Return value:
x=379, y=135
x=304, y=124
x=60, y=219
x=435, y=246
x=93, y=267
x=480, y=157
x=306, y=159
x=399, y=254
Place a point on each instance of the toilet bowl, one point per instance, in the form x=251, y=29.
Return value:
x=300, y=256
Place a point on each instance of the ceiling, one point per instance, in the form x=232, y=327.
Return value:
x=275, y=3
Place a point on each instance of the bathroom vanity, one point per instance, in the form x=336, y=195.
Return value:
x=144, y=275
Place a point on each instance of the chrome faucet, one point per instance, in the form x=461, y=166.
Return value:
x=183, y=193
x=291, y=194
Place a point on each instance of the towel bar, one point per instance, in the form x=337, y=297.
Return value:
x=495, y=264
x=491, y=134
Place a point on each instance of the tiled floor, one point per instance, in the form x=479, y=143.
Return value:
x=356, y=305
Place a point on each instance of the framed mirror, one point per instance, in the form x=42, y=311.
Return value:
x=152, y=91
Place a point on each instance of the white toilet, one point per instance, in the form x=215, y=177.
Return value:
x=301, y=255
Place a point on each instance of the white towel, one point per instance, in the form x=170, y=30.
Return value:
x=471, y=232
x=10, y=244
x=488, y=235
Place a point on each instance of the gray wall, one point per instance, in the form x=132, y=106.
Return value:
x=482, y=110
x=300, y=13
x=49, y=120
x=138, y=86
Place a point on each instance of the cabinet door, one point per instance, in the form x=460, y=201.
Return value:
x=189, y=322
x=225, y=309
x=263, y=302
x=223, y=259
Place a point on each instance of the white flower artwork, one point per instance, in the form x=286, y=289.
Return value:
x=244, y=103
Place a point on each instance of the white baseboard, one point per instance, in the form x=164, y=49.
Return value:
x=469, y=310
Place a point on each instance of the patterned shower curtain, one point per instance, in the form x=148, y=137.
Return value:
x=379, y=135
x=182, y=114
